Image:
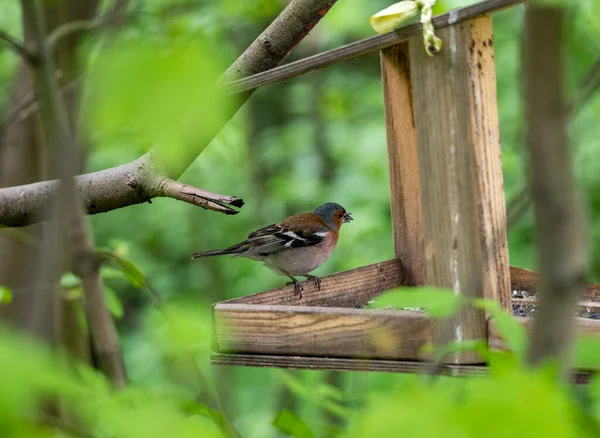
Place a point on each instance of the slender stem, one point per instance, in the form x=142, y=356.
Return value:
x=18, y=47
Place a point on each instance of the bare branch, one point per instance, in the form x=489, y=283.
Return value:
x=29, y=106
x=18, y=47
x=106, y=190
x=83, y=25
x=202, y=198
x=558, y=209
x=137, y=181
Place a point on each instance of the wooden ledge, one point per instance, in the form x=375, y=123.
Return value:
x=381, y=366
x=325, y=329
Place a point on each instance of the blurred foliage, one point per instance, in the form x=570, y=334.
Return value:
x=316, y=138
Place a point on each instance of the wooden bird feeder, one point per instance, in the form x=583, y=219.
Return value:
x=443, y=143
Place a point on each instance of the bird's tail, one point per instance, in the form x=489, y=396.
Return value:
x=232, y=250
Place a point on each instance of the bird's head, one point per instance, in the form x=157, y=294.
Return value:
x=333, y=214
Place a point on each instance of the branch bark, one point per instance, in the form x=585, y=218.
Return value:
x=106, y=190
x=558, y=209
x=140, y=180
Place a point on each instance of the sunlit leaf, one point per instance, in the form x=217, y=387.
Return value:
x=393, y=16
x=166, y=93
x=5, y=295
x=438, y=303
x=113, y=303
x=291, y=424
x=108, y=272
x=511, y=331
x=69, y=280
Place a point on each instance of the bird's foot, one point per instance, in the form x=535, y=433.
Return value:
x=298, y=288
x=316, y=280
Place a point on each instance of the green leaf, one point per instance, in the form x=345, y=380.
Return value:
x=5, y=295
x=290, y=424
x=113, y=303
x=69, y=281
x=587, y=353
x=511, y=331
x=477, y=345
x=439, y=303
x=108, y=272
x=131, y=271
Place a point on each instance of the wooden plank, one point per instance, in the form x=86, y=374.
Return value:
x=368, y=45
x=353, y=288
x=405, y=187
x=342, y=364
x=382, y=366
x=356, y=287
x=450, y=97
x=485, y=131
x=317, y=331
x=526, y=280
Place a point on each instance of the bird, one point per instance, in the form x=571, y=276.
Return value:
x=295, y=246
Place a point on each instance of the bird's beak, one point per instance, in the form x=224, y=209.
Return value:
x=347, y=218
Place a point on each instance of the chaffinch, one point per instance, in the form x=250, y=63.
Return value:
x=294, y=246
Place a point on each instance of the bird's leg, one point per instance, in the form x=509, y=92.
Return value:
x=316, y=280
x=297, y=286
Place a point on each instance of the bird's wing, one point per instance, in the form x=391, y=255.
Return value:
x=294, y=232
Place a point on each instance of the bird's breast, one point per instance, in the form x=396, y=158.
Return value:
x=301, y=261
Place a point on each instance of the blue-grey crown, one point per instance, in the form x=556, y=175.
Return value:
x=326, y=212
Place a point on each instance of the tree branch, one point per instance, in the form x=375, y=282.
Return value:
x=29, y=105
x=106, y=190
x=558, y=210
x=139, y=181
x=18, y=47
x=83, y=25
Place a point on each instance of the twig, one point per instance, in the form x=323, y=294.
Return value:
x=18, y=47
x=83, y=25
x=29, y=105
x=557, y=205
x=202, y=198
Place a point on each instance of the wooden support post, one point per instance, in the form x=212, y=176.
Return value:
x=464, y=219
x=405, y=187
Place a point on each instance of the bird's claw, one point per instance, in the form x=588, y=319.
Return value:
x=298, y=288
x=316, y=280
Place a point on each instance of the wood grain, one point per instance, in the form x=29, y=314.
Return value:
x=317, y=331
x=403, y=161
x=342, y=364
x=448, y=100
x=367, y=45
x=485, y=134
x=382, y=366
x=352, y=288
